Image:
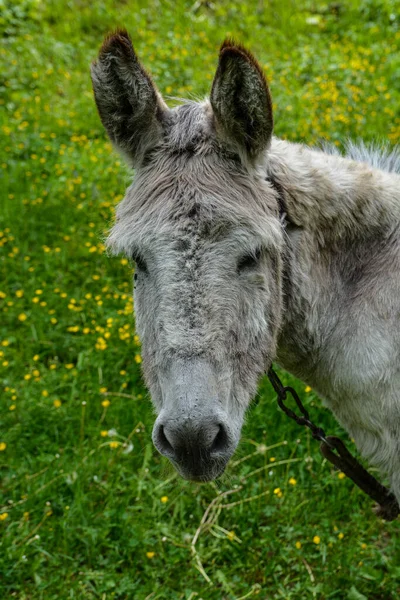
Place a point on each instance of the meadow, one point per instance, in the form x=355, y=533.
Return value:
x=88, y=509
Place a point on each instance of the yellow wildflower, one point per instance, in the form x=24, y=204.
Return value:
x=341, y=536
x=150, y=554
x=307, y=389
x=57, y=403
x=316, y=539
x=292, y=481
x=341, y=475
x=22, y=317
x=164, y=499
x=101, y=344
x=3, y=446
x=138, y=358
x=106, y=403
x=3, y=516
x=114, y=445
x=298, y=545
x=104, y=433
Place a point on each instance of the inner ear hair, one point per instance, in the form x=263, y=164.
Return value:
x=130, y=107
x=241, y=100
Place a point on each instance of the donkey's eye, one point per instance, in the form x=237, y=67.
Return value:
x=249, y=261
x=140, y=263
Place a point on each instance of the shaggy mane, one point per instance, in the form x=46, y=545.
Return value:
x=378, y=156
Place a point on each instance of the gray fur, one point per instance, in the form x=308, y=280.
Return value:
x=223, y=288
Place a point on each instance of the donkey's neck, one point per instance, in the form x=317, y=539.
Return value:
x=342, y=215
x=331, y=195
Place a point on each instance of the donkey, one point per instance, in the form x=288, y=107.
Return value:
x=250, y=249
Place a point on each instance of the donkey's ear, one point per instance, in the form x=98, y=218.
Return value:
x=128, y=102
x=241, y=100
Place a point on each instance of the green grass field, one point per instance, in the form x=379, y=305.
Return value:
x=88, y=509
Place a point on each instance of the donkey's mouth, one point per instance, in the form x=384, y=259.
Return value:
x=201, y=473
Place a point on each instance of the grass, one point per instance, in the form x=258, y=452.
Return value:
x=88, y=509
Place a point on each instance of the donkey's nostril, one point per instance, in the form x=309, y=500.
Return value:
x=220, y=441
x=162, y=442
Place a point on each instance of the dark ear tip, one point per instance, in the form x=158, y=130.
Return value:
x=117, y=41
x=228, y=42
x=232, y=49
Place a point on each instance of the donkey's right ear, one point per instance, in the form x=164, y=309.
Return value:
x=129, y=105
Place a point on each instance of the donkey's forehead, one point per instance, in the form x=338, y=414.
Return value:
x=152, y=216
x=160, y=238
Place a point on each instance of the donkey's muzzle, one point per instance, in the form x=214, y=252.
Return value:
x=199, y=448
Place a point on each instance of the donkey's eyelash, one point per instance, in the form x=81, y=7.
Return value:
x=140, y=262
x=249, y=260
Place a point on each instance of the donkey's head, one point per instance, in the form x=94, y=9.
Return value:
x=202, y=226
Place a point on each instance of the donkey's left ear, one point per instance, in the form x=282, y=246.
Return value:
x=241, y=100
x=129, y=105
